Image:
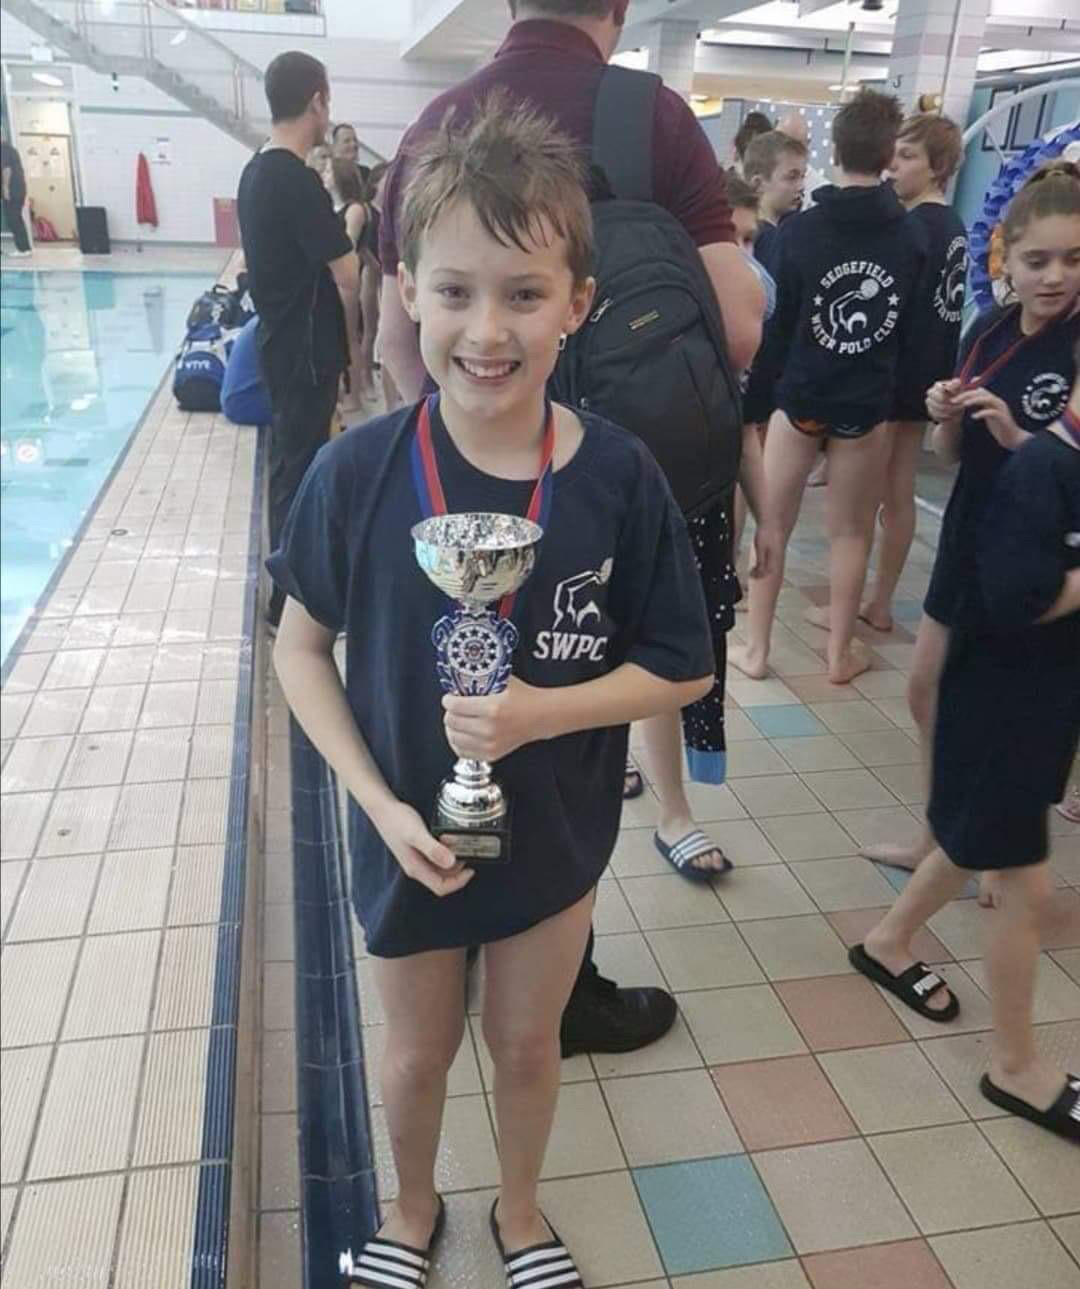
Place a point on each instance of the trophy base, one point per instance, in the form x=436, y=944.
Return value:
x=485, y=843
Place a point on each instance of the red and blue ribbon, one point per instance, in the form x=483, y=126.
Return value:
x=428, y=483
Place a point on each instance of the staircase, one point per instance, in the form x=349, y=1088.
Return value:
x=152, y=40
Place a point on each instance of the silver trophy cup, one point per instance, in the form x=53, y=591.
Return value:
x=476, y=559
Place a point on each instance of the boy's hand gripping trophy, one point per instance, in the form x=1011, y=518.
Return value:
x=476, y=559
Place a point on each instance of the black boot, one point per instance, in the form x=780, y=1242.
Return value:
x=601, y=1017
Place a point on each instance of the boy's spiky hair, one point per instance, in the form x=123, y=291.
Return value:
x=521, y=175
x=864, y=132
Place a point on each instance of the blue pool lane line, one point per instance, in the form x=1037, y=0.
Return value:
x=338, y=1199
x=210, y=1248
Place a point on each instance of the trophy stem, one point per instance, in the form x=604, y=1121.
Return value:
x=472, y=774
x=469, y=797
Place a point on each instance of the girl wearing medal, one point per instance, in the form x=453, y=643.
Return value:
x=1016, y=368
x=1006, y=735
x=611, y=628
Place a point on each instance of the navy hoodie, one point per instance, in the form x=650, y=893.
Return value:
x=847, y=273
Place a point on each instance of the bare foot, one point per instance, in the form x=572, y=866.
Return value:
x=888, y=852
x=989, y=891
x=411, y=1225
x=850, y=664
x=897, y=959
x=750, y=663
x=818, y=615
x=878, y=618
x=675, y=827
x=1039, y=1084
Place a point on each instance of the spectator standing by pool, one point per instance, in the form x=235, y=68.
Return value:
x=14, y=195
x=304, y=279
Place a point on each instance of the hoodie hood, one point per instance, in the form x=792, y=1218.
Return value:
x=860, y=207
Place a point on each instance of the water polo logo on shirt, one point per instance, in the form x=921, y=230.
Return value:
x=575, y=605
x=1045, y=396
x=952, y=284
x=855, y=308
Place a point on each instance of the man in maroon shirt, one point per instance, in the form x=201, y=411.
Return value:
x=554, y=56
x=555, y=60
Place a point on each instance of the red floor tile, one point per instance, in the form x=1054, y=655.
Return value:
x=852, y=925
x=840, y=1011
x=909, y=1265
x=787, y=1102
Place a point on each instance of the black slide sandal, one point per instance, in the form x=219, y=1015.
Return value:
x=1062, y=1118
x=389, y=1262
x=913, y=987
x=540, y=1266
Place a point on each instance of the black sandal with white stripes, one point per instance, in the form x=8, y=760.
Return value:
x=1063, y=1117
x=388, y=1264
x=540, y=1266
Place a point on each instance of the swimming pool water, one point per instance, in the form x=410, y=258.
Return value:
x=81, y=353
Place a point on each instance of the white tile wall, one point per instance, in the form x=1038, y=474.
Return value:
x=370, y=84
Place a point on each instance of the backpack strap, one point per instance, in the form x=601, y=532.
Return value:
x=622, y=137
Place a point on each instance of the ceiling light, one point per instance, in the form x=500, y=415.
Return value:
x=47, y=78
x=179, y=38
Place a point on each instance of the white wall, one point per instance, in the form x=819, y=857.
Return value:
x=113, y=128
x=370, y=85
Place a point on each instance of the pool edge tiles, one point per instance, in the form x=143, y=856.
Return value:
x=190, y=1172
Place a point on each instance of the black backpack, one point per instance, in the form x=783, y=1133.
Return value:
x=652, y=356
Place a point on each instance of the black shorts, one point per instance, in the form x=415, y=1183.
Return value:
x=830, y=430
x=1004, y=743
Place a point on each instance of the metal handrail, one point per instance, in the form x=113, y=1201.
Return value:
x=201, y=33
x=1006, y=105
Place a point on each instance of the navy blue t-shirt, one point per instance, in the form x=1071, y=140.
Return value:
x=1035, y=383
x=934, y=336
x=615, y=582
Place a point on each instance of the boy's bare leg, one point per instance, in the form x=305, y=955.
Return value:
x=931, y=646
x=1012, y=959
x=935, y=882
x=898, y=520
x=663, y=742
x=528, y=982
x=856, y=472
x=423, y=996
x=789, y=457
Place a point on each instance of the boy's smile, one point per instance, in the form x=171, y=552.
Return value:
x=491, y=314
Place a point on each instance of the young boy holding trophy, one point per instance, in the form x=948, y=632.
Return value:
x=481, y=532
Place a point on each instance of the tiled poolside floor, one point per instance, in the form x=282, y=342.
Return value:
x=119, y=722
x=795, y=1130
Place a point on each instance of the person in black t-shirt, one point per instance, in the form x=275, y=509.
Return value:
x=928, y=151
x=1016, y=366
x=303, y=276
x=1005, y=737
x=610, y=627
x=14, y=195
